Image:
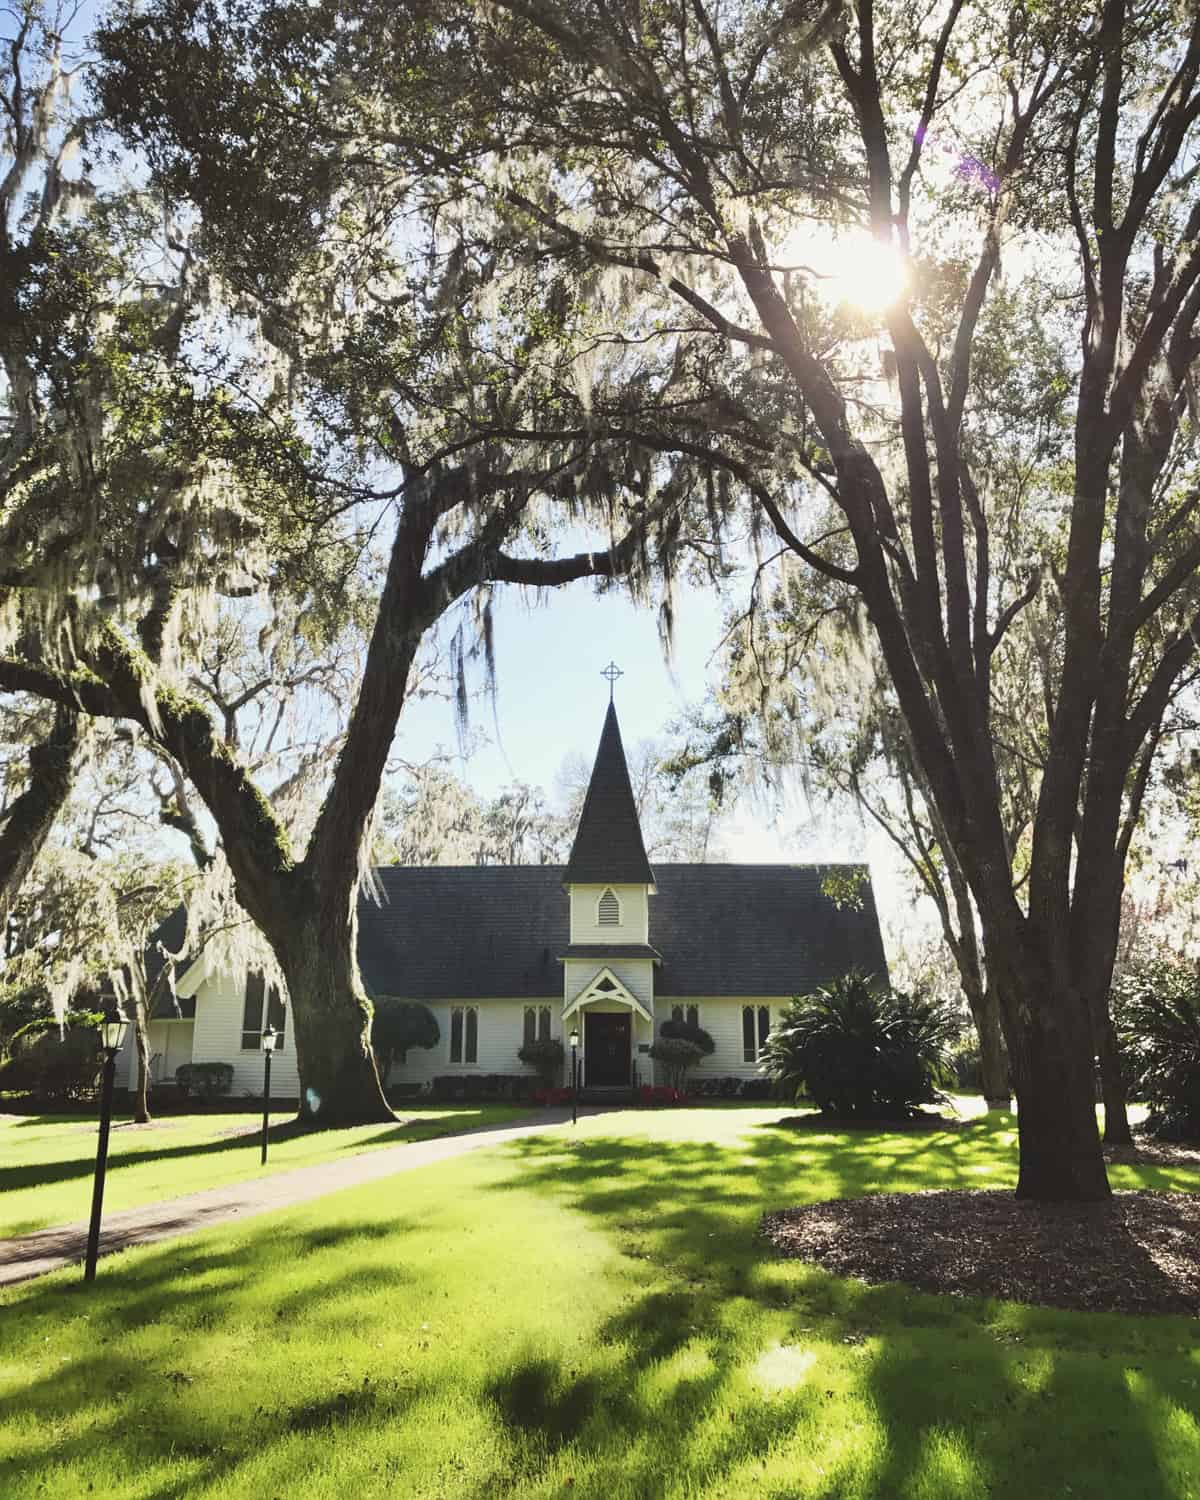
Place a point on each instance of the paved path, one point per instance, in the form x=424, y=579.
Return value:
x=51, y=1249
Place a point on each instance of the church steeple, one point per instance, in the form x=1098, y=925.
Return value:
x=608, y=847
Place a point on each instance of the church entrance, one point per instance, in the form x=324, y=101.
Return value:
x=606, y=1040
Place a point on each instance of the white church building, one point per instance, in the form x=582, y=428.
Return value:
x=606, y=945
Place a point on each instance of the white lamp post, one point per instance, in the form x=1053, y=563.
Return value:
x=574, y=1040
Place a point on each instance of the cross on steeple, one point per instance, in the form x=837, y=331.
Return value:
x=612, y=672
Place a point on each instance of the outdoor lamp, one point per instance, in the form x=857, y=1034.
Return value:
x=113, y=1027
x=270, y=1039
x=574, y=1038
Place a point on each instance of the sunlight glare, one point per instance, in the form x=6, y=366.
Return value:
x=852, y=268
x=782, y=1367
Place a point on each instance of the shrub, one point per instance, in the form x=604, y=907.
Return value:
x=660, y=1093
x=55, y=1064
x=676, y=1056
x=967, y=1064
x=757, y=1088
x=449, y=1087
x=860, y=1050
x=727, y=1087
x=204, y=1080
x=1157, y=1012
x=552, y=1096
x=397, y=1026
x=680, y=1031
x=546, y=1056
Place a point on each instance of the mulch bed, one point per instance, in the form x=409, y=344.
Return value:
x=1137, y=1254
x=922, y=1120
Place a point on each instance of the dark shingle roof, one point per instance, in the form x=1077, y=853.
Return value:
x=601, y=951
x=497, y=932
x=170, y=932
x=608, y=842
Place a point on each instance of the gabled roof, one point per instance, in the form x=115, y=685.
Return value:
x=497, y=932
x=608, y=846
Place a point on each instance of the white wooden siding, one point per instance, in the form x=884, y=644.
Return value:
x=501, y=1033
x=170, y=1044
x=721, y=1017
x=635, y=918
x=636, y=974
x=220, y=1004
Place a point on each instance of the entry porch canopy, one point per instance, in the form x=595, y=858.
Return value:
x=605, y=986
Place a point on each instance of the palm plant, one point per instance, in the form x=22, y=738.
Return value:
x=857, y=1048
x=1158, y=1019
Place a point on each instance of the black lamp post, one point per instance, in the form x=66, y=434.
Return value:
x=112, y=1033
x=574, y=1040
x=270, y=1040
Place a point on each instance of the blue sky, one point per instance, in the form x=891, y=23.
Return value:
x=551, y=698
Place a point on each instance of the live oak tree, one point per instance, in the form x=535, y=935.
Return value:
x=313, y=373
x=663, y=157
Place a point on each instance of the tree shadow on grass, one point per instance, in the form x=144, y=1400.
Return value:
x=952, y=1397
x=136, y=1412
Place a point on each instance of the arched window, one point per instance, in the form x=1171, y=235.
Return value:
x=464, y=1034
x=756, y=1027
x=537, y=1024
x=609, y=913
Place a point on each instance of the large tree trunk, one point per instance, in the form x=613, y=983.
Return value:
x=331, y=1016
x=1112, y=1085
x=993, y=1057
x=1049, y=1037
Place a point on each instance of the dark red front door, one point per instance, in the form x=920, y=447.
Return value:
x=606, y=1042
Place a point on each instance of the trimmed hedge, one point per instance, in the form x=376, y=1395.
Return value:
x=204, y=1080
x=55, y=1066
x=451, y=1087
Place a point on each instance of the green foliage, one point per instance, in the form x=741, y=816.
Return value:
x=844, y=886
x=397, y=1026
x=206, y=1080
x=54, y=1064
x=681, y=1031
x=677, y=1056
x=545, y=1055
x=1157, y=1013
x=860, y=1050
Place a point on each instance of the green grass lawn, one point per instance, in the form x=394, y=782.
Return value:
x=587, y=1314
x=46, y=1161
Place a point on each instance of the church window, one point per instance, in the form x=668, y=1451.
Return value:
x=606, y=985
x=252, y=1013
x=689, y=1014
x=464, y=1034
x=609, y=914
x=756, y=1027
x=537, y=1024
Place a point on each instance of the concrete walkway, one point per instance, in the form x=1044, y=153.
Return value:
x=51, y=1249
